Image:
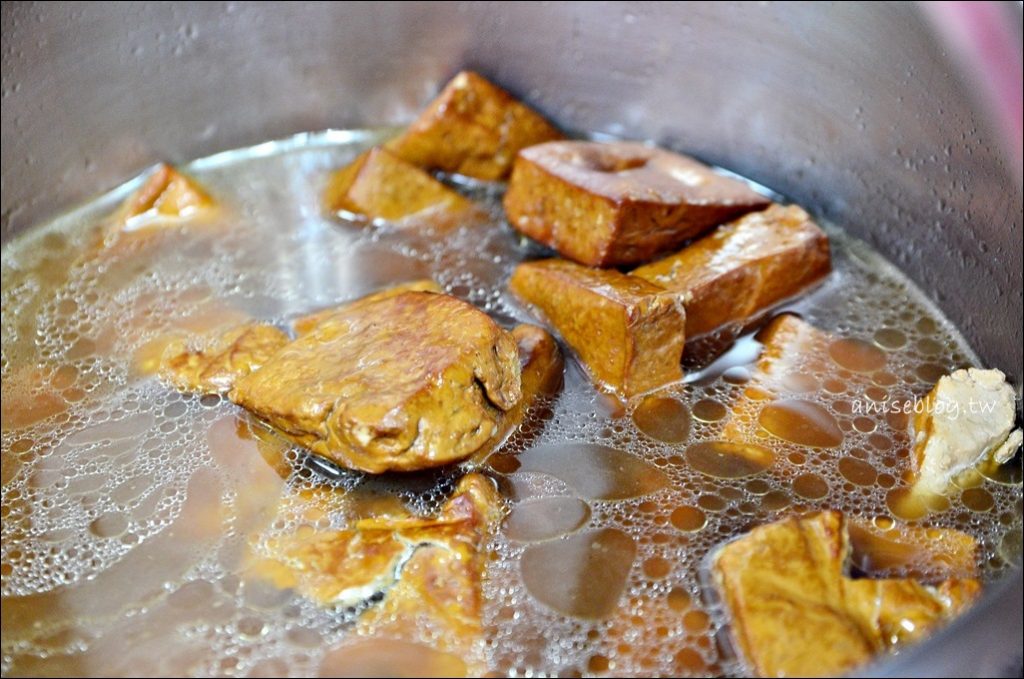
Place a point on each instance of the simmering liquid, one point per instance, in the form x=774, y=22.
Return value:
x=128, y=509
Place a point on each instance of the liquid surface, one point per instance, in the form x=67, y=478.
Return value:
x=128, y=509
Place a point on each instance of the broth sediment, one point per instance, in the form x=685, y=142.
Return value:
x=127, y=507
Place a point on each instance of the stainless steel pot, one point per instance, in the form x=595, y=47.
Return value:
x=855, y=110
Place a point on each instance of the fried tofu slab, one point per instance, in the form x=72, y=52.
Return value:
x=744, y=268
x=404, y=379
x=628, y=333
x=794, y=612
x=379, y=184
x=418, y=579
x=403, y=382
x=618, y=203
x=166, y=196
x=920, y=552
x=473, y=128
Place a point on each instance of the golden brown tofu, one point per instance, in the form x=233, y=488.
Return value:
x=427, y=572
x=919, y=552
x=541, y=363
x=379, y=184
x=167, y=195
x=304, y=324
x=618, y=203
x=392, y=383
x=902, y=611
x=740, y=270
x=795, y=359
x=440, y=585
x=795, y=613
x=792, y=350
x=628, y=333
x=214, y=368
x=474, y=128
x=541, y=366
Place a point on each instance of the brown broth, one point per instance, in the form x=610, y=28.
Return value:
x=128, y=509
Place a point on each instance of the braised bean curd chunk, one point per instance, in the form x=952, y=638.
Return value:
x=215, y=367
x=402, y=379
x=894, y=549
x=966, y=423
x=406, y=382
x=628, y=333
x=541, y=365
x=304, y=324
x=742, y=269
x=167, y=197
x=793, y=357
x=794, y=611
x=473, y=128
x=379, y=184
x=419, y=578
x=619, y=203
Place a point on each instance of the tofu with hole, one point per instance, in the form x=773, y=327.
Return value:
x=739, y=271
x=380, y=185
x=390, y=383
x=628, y=333
x=618, y=203
x=794, y=612
x=472, y=128
x=967, y=421
x=167, y=196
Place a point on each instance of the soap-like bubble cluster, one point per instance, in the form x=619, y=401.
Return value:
x=133, y=516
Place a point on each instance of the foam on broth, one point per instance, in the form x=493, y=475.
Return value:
x=128, y=508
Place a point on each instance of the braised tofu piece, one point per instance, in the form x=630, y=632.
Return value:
x=413, y=575
x=795, y=362
x=795, y=613
x=214, y=368
x=168, y=196
x=379, y=184
x=541, y=365
x=628, y=333
x=920, y=552
x=439, y=587
x=740, y=270
x=618, y=203
x=307, y=322
x=793, y=350
x=473, y=128
x=395, y=383
x=967, y=421
x=903, y=611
